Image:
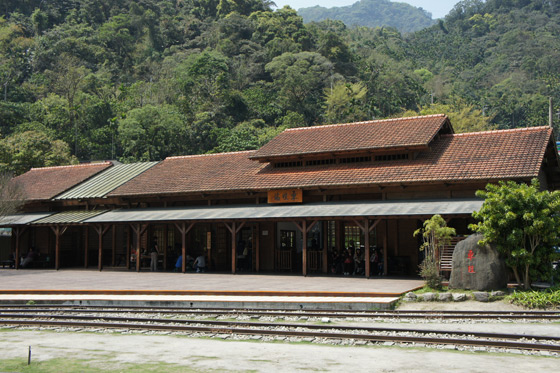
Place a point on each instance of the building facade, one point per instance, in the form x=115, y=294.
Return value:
x=295, y=205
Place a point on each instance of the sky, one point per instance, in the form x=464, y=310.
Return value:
x=438, y=8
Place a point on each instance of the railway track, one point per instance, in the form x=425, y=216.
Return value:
x=280, y=313
x=72, y=318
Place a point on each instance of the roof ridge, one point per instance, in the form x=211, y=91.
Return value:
x=71, y=165
x=368, y=122
x=207, y=155
x=497, y=131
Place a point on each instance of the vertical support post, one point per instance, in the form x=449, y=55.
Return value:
x=385, y=251
x=86, y=246
x=165, y=242
x=183, y=248
x=183, y=229
x=366, y=247
x=58, y=231
x=304, y=251
x=16, y=231
x=257, y=242
x=138, y=253
x=233, y=247
x=325, y=247
x=113, y=244
x=128, y=243
x=57, y=248
x=100, y=248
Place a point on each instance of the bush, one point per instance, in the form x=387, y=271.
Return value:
x=430, y=273
x=549, y=298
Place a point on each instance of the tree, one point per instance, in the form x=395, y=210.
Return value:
x=151, y=133
x=300, y=78
x=24, y=150
x=435, y=234
x=522, y=221
x=11, y=195
x=344, y=103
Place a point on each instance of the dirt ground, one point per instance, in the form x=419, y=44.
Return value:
x=117, y=351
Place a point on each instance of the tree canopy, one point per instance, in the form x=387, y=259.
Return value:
x=143, y=79
x=522, y=221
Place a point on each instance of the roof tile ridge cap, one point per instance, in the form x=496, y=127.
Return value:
x=208, y=155
x=368, y=122
x=72, y=165
x=497, y=131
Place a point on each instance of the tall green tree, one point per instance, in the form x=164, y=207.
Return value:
x=523, y=222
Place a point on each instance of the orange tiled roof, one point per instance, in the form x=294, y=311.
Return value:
x=492, y=155
x=412, y=132
x=47, y=182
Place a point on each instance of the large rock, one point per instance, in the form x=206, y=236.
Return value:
x=477, y=267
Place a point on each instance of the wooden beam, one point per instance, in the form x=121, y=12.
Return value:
x=312, y=225
x=366, y=246
x=58, y=232
x=184, y=229
x=385, y=243
x=240, y=226
x=257, y=243
x=113, y=245
x=304, y=251
x=101, y=230
x=325, y=247
x=18, y=233
x=128, y=243
x=86, y=246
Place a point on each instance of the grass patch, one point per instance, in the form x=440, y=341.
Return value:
x=542, y=299
x=65, y=365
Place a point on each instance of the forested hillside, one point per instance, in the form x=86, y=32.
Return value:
x=372, y=13
x=131, y=80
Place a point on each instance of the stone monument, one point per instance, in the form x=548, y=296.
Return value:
x=477, y=267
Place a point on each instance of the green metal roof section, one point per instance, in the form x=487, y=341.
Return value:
x=69, y=217
x=107, y=181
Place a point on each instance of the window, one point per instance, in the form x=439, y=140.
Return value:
x=352, y=236
x=391, y=157
x=287, y=240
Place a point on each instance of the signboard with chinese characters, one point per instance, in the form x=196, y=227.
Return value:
x=285, y=196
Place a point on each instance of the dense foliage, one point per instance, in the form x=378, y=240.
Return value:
x=522, y=222
x=143, y=79
x=372, y=13
x=549, y=298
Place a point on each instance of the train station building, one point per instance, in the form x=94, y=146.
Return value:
x=287, y=207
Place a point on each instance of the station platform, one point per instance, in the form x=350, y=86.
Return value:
x=201, y=290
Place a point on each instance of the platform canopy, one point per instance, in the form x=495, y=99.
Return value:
x=323, y=210
x=22, y=219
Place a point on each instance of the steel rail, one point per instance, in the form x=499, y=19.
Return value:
x=308, y=326
x=540, y=315
x=222, y=329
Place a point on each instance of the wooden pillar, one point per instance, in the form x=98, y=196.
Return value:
x=366, y=247
x=86, y=246
x=18, y=233
x=138, y=230
x=165, y=242
x=113, y=244
x=257, y=242
x=128, y=243
x=385, y=251
x=58, y=231
x=183, y=229
x=234, y=229
x=304, y=251
x=101, y=230
x=325, y=246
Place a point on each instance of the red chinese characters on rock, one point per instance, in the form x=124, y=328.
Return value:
x=471, y=266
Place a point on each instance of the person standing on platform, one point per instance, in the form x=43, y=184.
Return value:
x=154, y=256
